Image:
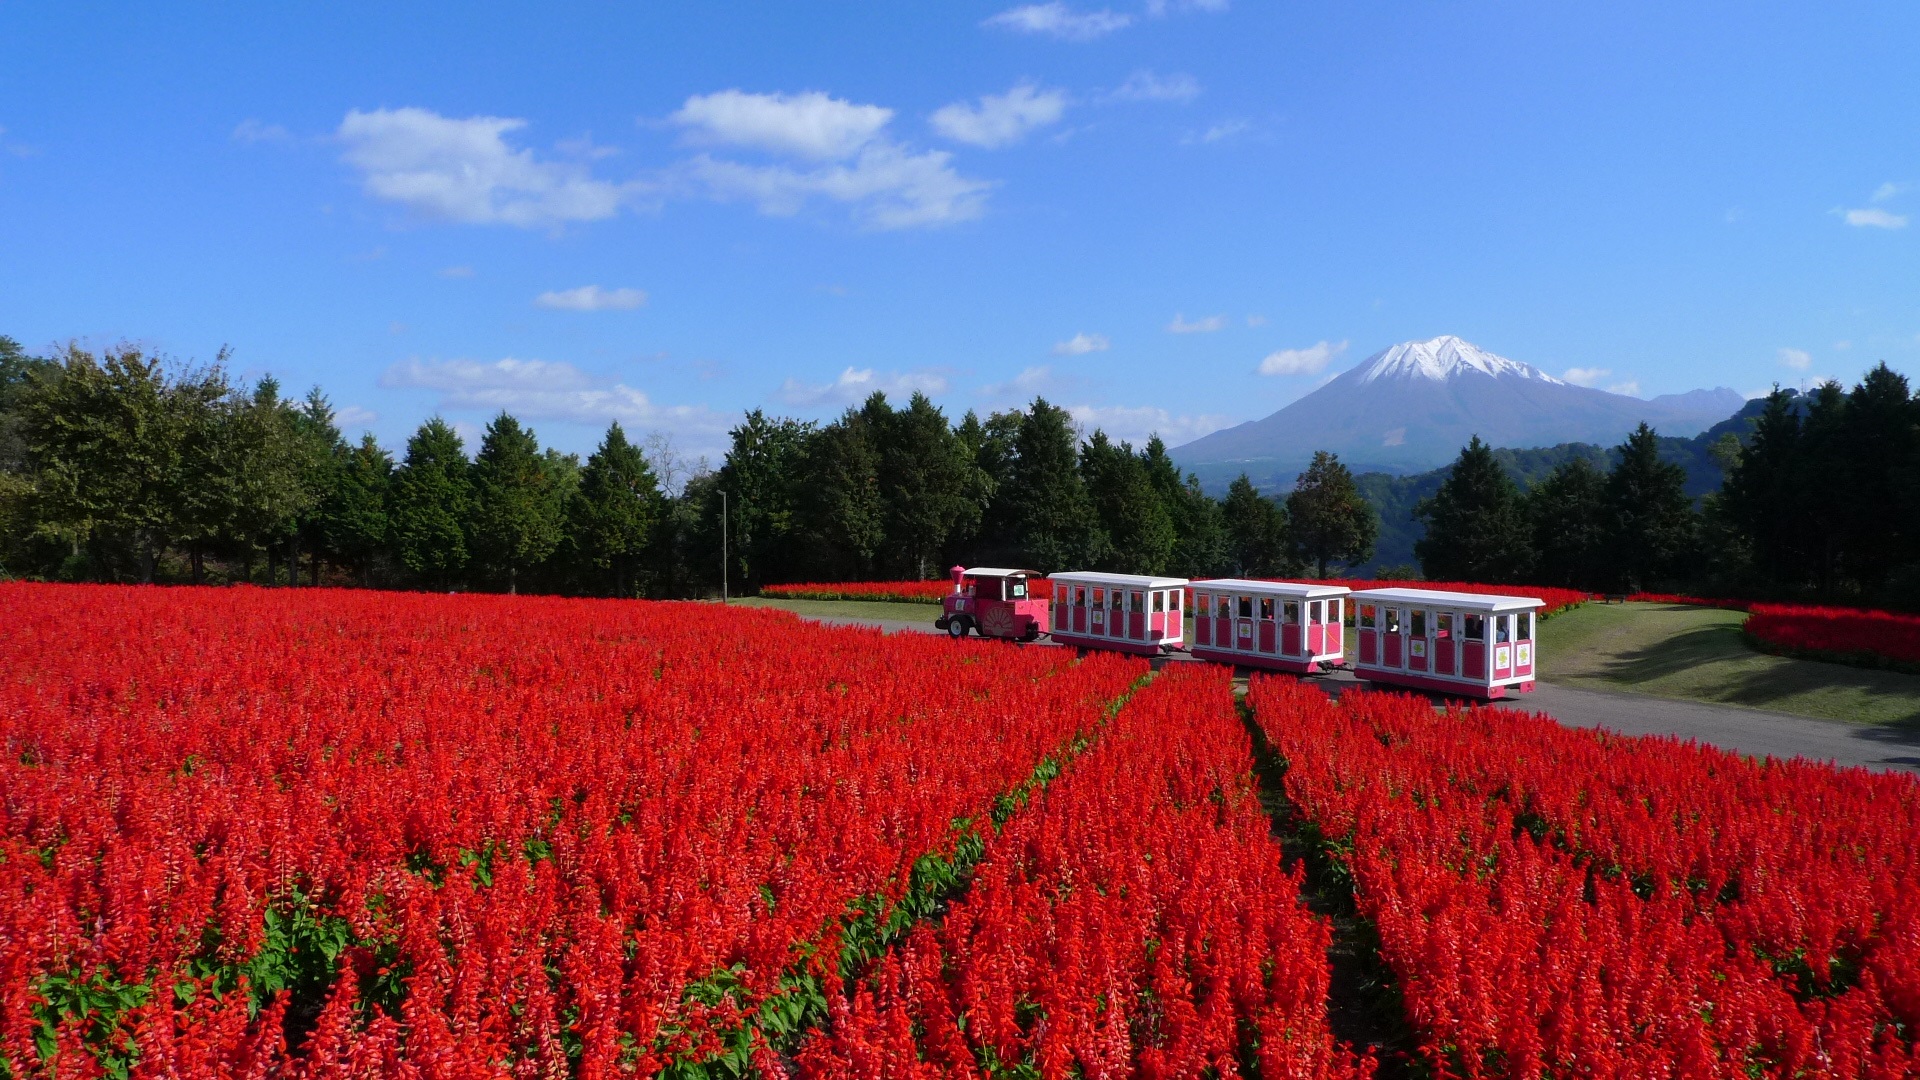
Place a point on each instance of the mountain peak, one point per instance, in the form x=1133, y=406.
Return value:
x=1443, y=358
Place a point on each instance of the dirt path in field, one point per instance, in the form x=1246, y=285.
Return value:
x=1755, y=732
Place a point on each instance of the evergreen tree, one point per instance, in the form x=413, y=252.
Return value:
x=1477, y=527
x=1200, y=543
x=432, y=502
x=352, y=516
x=1568, y=512
x=1329, y=522
x=612, y=516
x=1050, y=516
x=1257, y=544
x=516, y=510
x=1135, y=527
x=1881, y=452
x=758, y=482
x=840, y=514
x=927, y=482
x=1651, y=523
x=1762, y=496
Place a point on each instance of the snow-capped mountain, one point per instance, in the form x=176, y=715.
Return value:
x=1413, y=406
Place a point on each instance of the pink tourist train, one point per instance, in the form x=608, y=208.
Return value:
x=1130, y=613
x=1455, y=643
x=1276, y=625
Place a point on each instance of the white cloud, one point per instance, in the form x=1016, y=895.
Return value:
x=1876, y=218
x=855, y=384
x=1842, y=345
x=1144, y=85
x=1137, y=424
x=1082, y=344
x=1056, y=19
x=1307, y=361
x=1208, y=325
x=592, y=298
x=1797, y=359
x=1000, y=119
x=1586, y=376
x=548, y=390
x=253, y=131
x=1888, y=190
x=1630, y=388
x=1162, y=7
x=353, y=416
x=1220, y=132
x=465, y=171
x=1030, y=382
x=1256, y=320
x=809, y=125
x=457, y=272
x=888, y=187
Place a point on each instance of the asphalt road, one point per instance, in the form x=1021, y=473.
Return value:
x=1754, y=732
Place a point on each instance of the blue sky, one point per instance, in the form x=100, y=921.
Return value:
x=1167, y=215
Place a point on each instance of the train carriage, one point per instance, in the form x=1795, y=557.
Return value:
x=1275, y=625
x=1471, y=644
x=1131, y=613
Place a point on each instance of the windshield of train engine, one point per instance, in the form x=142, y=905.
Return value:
x=1017, y=589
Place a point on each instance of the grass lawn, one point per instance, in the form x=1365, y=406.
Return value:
x=1674, y=651
x=850, y=609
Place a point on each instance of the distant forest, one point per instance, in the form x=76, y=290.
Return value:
x=120, y=466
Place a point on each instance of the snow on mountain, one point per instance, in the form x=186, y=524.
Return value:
x=1445, y=357
x=1411, y=407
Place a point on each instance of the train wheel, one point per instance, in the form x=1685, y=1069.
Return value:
x=956, y=628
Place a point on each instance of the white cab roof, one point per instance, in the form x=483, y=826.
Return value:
x=1271, y=588
x=1439, y=598
x=997, y=571
x=1121, y=581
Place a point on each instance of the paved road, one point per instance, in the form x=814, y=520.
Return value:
x=1755, y=732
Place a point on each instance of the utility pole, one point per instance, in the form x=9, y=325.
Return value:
x=723, y=547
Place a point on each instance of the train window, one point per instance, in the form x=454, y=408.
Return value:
x=1017, y=588
x=1443, y=625
x=1366, y=616
x=1100, y=598
x=1223, y=608
x=1159, y=602
x=1266, y=608
x=1202, y=601
x=1133, y=602
x=1246, y=607
x=1524, y=631
x=1393, y=620
x=1419, y=620
x=1079, y=596
x=1313, y=612
x=1474, y=628
x=1290, y=613
x=1502, y=628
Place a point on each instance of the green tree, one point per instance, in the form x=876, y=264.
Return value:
x=1048, y=511
x=1651, y=523
x=1134, y=526
x=1568, y=514
x=353, y=514
x=516, y=511
x=1256, y=532
x=432, y=502
x=1881, y=456
x=1477, y=528
x=1329, y=522
x=840, y=514
x=1762, y=496
x=928, y=482
x=1199, y=528
x=613, y=513
x=757, y=480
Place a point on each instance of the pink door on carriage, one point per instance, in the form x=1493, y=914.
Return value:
x=1290, y=629
x=1202, y=626
x=1369, y=631
x=1137, y=615
x=1392, y=638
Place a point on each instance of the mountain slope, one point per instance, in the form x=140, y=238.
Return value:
x=1411, y=407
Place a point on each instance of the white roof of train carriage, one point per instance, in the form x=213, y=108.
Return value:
x=1124, y=581
x=1276, y=588
x=1443, y=599
x=997, y=571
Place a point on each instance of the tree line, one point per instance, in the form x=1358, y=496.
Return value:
x=119, y=466
x=1821, y=500
x=122, y=467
